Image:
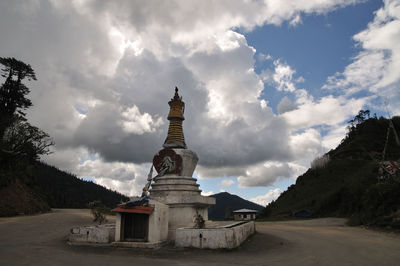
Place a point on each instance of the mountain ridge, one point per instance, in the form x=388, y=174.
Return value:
x=224, y=201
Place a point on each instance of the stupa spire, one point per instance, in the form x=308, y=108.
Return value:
x=175, y=138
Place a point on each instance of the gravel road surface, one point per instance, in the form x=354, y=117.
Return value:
x=41, y=240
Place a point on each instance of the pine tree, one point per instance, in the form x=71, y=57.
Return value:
x=17, y=137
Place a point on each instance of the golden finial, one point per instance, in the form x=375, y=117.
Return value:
x=175, y=137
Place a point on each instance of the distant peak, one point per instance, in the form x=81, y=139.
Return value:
x=222, y=193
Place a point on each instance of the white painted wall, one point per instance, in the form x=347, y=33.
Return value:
x=214, y=238
x=244, y=216
x=101, y=234
x=158, y=222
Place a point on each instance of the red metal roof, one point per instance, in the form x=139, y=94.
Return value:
x=135, y=209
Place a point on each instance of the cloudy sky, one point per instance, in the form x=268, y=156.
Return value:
x=268, y=85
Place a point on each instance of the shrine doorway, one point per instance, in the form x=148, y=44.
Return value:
x=135, y=227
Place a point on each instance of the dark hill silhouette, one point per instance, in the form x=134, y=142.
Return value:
x=225, y=200
x=40, y=187
x=347, y=185
x=64, y=190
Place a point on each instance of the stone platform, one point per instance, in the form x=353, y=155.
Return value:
x=227, y=236
x=144, y=245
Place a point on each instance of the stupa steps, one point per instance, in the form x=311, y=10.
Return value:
x=175, y=187
x=174, y=180
x=156, y=192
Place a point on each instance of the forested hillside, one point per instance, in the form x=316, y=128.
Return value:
x=40, y=187
x=349, y=180
x=64, y=190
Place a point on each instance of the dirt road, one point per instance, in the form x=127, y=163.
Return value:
x=41, y=240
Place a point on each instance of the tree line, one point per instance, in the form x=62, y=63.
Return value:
x=20, y=142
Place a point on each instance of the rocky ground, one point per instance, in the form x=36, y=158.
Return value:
x=41, y=240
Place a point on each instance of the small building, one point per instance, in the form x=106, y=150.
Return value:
x=244, y=215
x=143, y=225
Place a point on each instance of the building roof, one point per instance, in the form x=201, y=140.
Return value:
x=245, y=211
x=135, y=209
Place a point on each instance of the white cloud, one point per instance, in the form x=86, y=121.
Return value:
x=189, y=23
x=227, y=182
x=126, y=178
x=383, y=34
x=208, y=193
x=329, y=114
x=135, y=122
x=306, y=146
x=326, y=111
x=296, y=20
x=366, y=71
x=286, y=105
x=282, y=76
x=121, y=61
x=264, y=57
x=265, y=174
x=220, y=171
x=306, y=142
x=66, y=159
x=271, y=195
x=229, y=40
x=377, y=66
x=332, y=139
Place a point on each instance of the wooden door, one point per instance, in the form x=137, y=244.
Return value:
x=136, y=227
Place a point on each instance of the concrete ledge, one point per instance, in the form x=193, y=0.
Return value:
x=89, y=244
x=144, y=245
x=228, y=236
x=92, y=234
x=175, y=187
